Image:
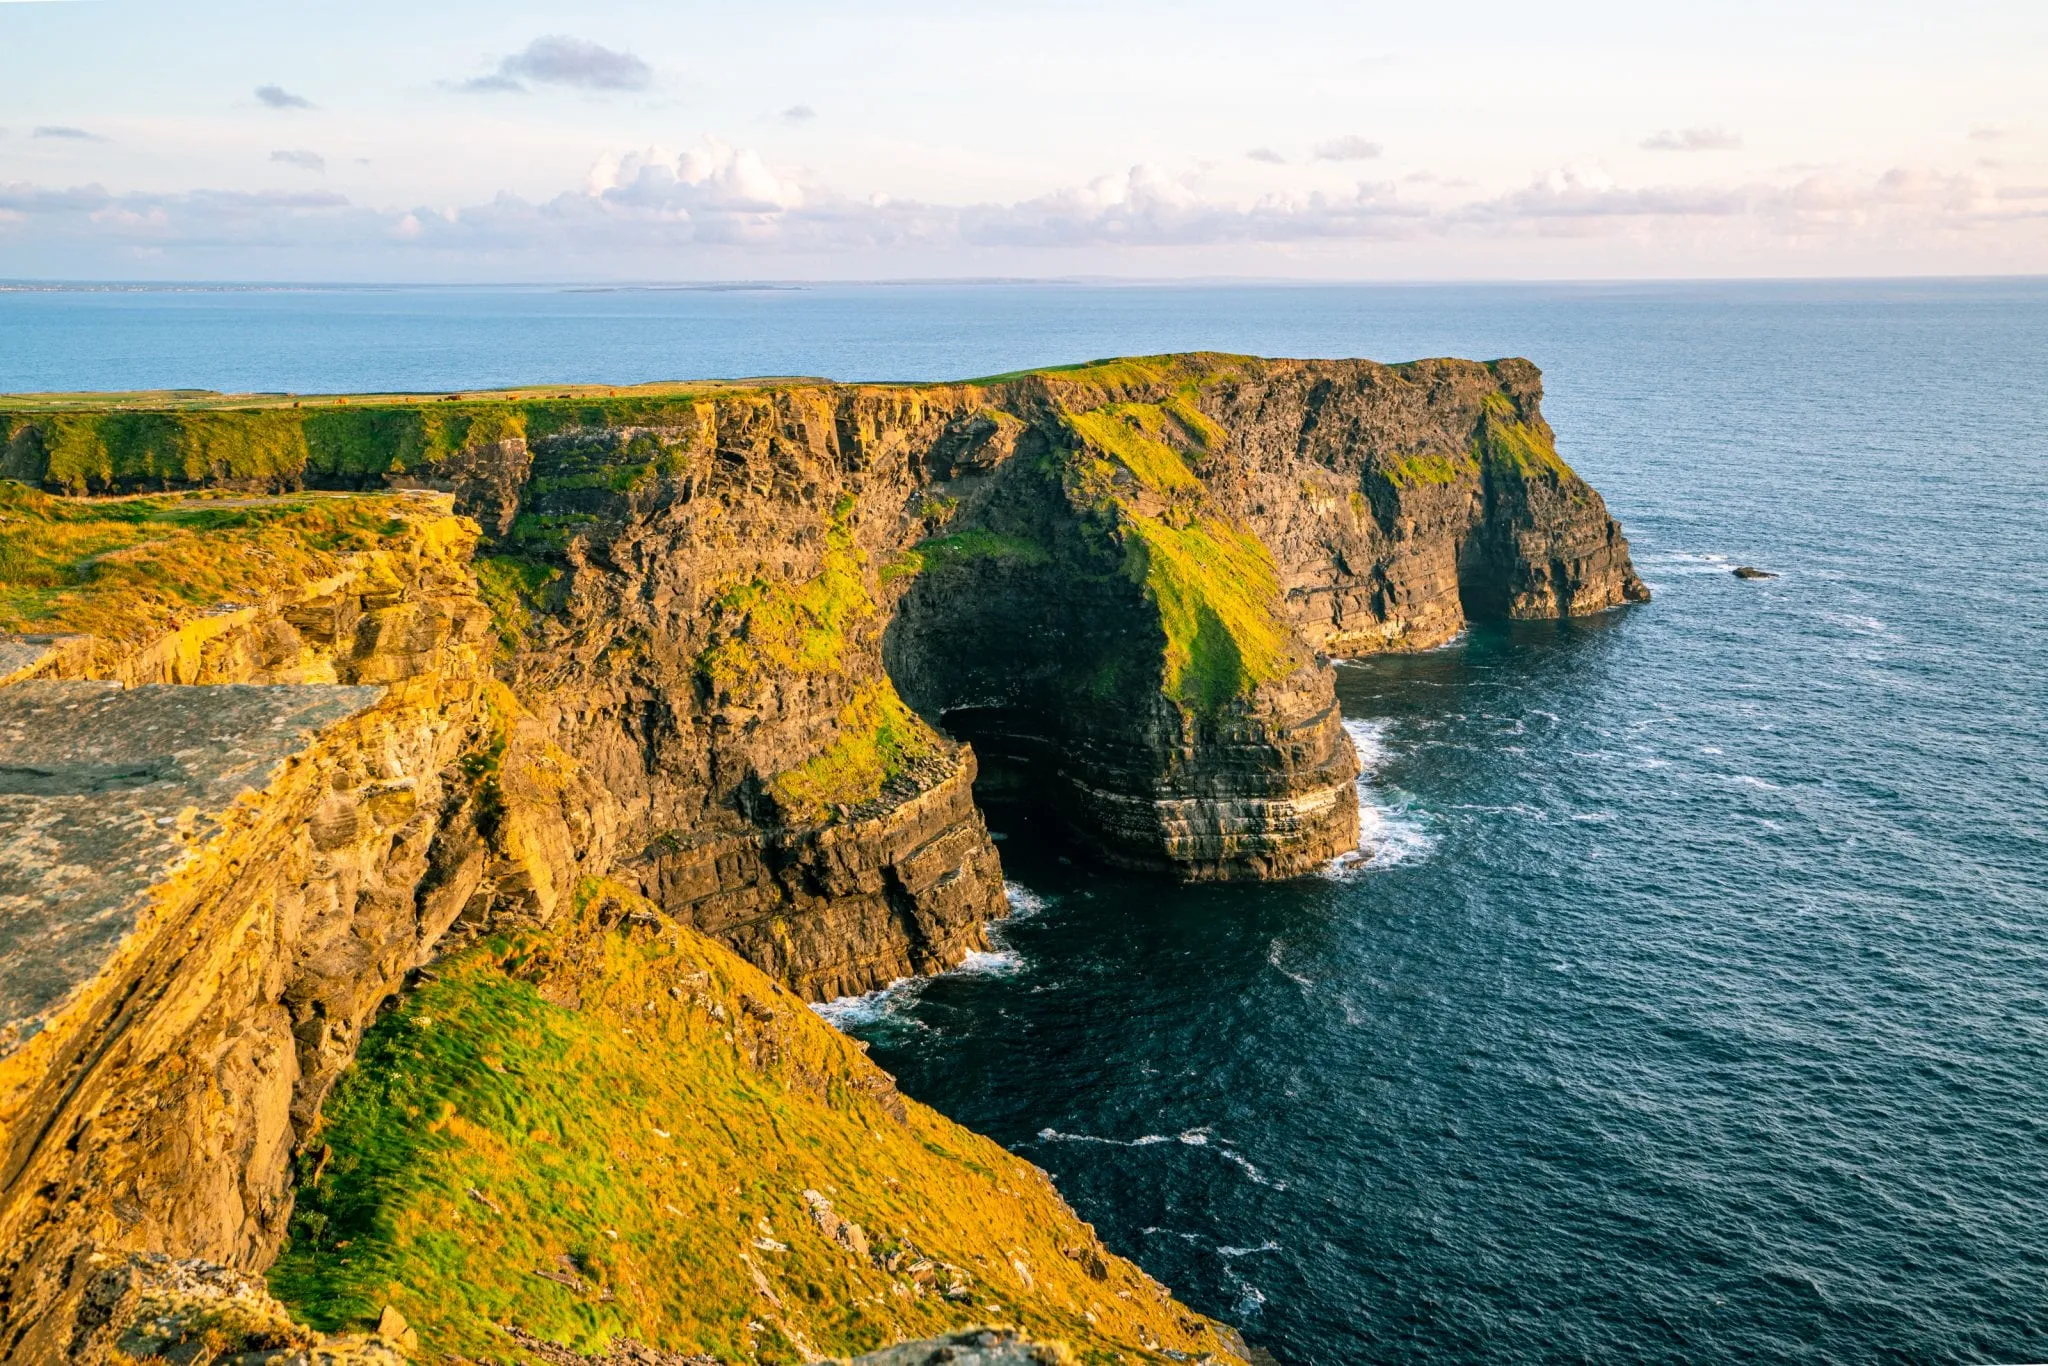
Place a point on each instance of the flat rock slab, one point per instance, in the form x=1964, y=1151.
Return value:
x=21, y=656
x=104, y=792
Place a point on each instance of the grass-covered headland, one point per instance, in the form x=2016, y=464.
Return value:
x=617, y=1128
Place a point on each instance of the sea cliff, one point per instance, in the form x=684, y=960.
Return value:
x=538, y=753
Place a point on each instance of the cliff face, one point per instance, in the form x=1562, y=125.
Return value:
x=741, y=660
x=207, y=891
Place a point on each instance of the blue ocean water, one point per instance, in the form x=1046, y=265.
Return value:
x=1694, y=1006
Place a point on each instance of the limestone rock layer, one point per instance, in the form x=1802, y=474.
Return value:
x=760, y=654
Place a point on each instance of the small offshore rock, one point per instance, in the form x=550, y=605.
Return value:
x=1745, y=571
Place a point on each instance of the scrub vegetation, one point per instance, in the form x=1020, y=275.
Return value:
x=617, y=1128
x=879, y=740
x=1507, y=443
x=129, y=569
x=768, y=626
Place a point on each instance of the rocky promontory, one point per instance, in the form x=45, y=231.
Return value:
x=419, y=812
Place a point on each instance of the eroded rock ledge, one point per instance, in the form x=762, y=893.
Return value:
x=751, y=656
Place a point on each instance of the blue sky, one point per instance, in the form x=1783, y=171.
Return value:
x=469, y=142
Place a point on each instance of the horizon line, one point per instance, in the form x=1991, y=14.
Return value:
x=86, y=285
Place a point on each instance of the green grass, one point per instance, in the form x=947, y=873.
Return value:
x=1424, y=469
x=1136, y=436
x=763, y=626
x=1133, y=372
x=878, y=739
x=590, y=1133
x=1211, y=580
x=511, y=586
x=1219, y=605
x=964, y=547
x=100, y=449
x=1505, y=442
x=130, y=569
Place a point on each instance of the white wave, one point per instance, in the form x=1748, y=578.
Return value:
x=1268, y=1246
x=846, y=1013
x=1369, y=738
x=1195, y=1138
x=1273, y=961
x=1258, y=1177
x=1143, y=1141
x=1862, y=625
x=1389, y=831
x=994, y=963
x=1250, y=1299
x=1024, y=903
x=854, y=1012
x=1745, y=780
x=1683, y=562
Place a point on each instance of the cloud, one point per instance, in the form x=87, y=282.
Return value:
x=1986, y=134
x=1691, y=140
x=65, y=131
x=277, y=97
x=799, y=113
x=1267, y=155
x=1351, y=147
x=34, y=200
x=655, y=211
x=490, y=85
x=558, y=59
x=311, y=161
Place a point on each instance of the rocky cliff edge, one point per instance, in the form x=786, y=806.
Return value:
x=752, y=657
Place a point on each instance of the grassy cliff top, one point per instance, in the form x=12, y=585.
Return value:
x=590, y=1134
x=210, y=400
x=99, y=443
x=1111, y=372
x=129, y=569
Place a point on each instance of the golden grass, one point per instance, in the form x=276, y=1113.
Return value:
x=590, y=1133
x=130, y=569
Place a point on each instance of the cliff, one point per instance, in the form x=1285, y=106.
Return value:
x=594, y=730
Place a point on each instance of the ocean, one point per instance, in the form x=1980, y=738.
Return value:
x=1692, y=1004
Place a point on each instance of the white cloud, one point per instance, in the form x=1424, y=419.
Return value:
x=558, y=59
x=654, y=211
x=1692, y=140
x=304, y=160
x=1348, y=148
x=277, y=97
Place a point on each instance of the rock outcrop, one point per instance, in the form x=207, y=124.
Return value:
x=754, y=657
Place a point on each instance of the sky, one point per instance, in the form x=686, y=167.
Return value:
x=463, y=142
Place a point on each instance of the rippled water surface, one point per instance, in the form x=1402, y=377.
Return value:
x=1694, y=1006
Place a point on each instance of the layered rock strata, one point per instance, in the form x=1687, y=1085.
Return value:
x=206, y=892
x=752, y=652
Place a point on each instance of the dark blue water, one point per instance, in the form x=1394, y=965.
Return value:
x=1696, y=1006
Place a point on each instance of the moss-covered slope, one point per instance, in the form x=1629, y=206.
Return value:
x=617, y=1129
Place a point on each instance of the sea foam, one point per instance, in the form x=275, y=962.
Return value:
x=1390, y=829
